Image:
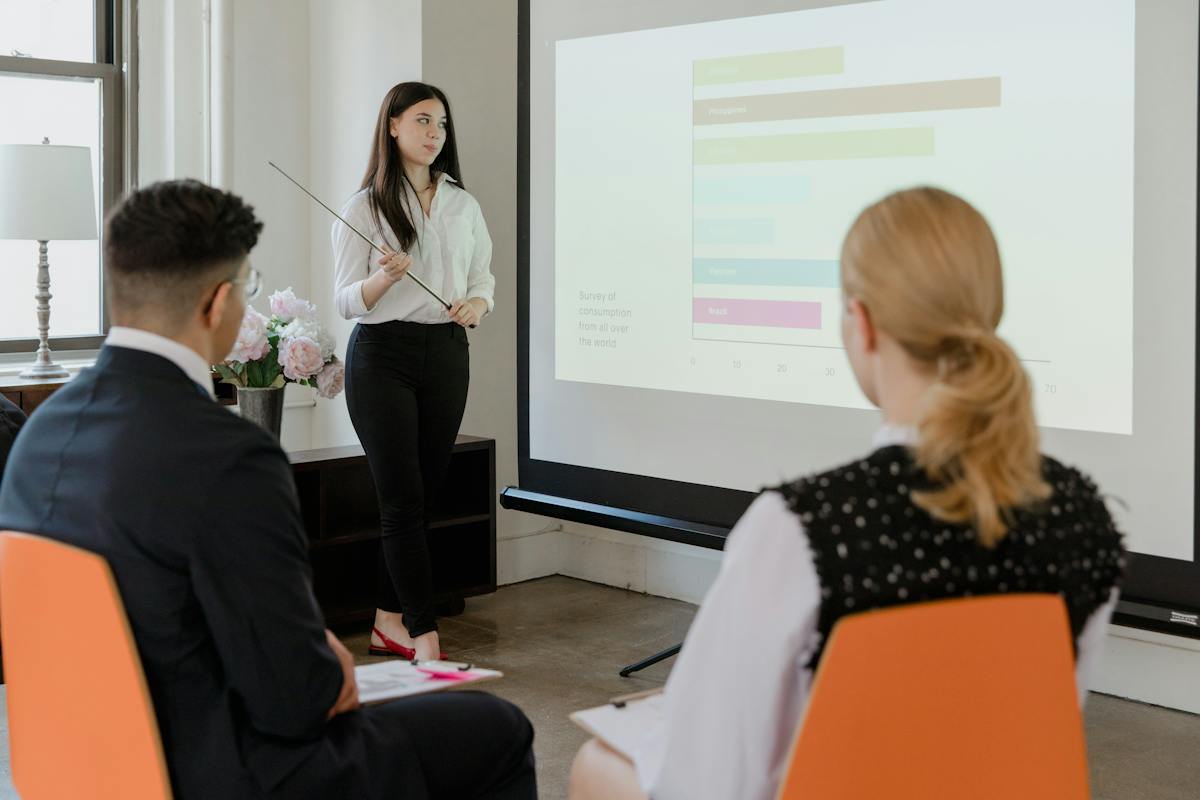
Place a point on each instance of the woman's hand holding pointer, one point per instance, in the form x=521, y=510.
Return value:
x=467, y=312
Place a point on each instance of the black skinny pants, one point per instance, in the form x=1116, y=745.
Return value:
x=406, y=390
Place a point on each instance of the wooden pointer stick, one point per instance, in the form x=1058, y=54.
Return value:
x=361, y=235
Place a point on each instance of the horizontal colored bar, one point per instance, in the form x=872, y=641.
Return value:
x=811, y=273
x=751, y=190
x=769, y=66
x=822, y=146
x=763, y=313
x=859, y=100
x=752, y=230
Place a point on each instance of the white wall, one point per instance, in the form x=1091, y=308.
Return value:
x=170, y=90
x=297, y=82
x=269, y=57
x=470, y=51
x=358, y=50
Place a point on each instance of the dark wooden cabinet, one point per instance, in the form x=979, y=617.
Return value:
x=341, y=515
x=29, y=393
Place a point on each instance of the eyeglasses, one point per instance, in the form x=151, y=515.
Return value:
x=252, y=283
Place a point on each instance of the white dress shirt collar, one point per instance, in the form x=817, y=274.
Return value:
x=889, y=434
x=182, y=356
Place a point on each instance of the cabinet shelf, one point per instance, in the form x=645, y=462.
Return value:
x=451, y=522
x=341, y=516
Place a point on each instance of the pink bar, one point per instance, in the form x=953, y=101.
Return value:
x=768, y=313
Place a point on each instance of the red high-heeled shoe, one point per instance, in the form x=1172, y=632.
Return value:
x=393, y=648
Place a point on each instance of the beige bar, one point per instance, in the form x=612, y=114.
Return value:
x=857, y=101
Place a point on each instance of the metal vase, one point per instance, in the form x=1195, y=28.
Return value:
x=263, y=407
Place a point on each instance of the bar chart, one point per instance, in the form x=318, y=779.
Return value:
x=755, y=278
x=705, y=176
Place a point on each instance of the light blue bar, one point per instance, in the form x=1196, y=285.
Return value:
x=752, y=230
x=811, y=273
x=751, y=189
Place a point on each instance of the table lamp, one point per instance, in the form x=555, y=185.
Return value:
x=45, y=193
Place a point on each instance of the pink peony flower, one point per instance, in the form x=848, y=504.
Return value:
x=331, y=379
x=286, y=306
x=251, y=343
x=300, y=358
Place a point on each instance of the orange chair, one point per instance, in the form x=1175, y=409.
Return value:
x=971, y=698
x=80, y=719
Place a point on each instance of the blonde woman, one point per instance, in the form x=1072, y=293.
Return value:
x=955, y=499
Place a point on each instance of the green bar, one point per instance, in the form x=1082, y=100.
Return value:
x=769, y=66
x=823, y=146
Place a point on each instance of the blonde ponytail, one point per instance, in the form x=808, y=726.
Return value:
x=978, y=439
x=925, y=263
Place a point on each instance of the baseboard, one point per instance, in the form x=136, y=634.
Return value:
x=535, y=555
x=1151, y=668
x=613, y=558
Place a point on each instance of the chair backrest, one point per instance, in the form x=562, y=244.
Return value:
x=80, y=719
x=955, y=698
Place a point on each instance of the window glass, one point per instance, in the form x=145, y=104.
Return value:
x=66, y=112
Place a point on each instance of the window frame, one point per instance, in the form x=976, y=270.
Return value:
x=114, y=66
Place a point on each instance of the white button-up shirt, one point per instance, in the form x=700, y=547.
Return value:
x=453, y=257
x=738, y=689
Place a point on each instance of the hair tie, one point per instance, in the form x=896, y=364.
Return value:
x=960, y=347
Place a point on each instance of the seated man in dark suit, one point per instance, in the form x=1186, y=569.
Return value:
x=197, y=514
x=11, y=420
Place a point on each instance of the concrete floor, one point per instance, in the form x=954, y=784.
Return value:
x=560, y=642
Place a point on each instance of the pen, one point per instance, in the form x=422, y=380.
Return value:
x=621, y=700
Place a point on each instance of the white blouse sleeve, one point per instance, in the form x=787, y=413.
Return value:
x=480, y=281
x=351, y=260
x=1090, y=645
x=735, y=695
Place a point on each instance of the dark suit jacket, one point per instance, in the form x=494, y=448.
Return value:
x=11, y=420
x=197, y=514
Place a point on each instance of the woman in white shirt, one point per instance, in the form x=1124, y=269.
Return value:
x=407, y=363
x=955, y=500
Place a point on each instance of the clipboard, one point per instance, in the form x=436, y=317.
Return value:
x=390, y=680
x=622, y=722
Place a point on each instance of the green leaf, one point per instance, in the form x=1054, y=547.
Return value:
x=226, y=373
x=254, y=375
x=271, y=370
x=279, y=382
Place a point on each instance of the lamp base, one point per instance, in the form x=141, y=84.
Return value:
x=50, y=370
x=43, y=367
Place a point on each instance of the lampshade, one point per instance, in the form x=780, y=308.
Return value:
x=46, y=192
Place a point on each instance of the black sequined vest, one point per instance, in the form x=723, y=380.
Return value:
x=874, y=547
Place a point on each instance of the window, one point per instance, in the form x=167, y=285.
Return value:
x=64, y=77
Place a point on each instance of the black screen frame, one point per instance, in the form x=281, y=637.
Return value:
x=1159, y=593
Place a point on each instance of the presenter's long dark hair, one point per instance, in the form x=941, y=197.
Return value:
x=391, y=193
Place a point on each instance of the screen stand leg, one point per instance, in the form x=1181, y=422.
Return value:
x=651, y=661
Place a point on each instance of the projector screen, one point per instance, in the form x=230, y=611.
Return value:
x=689, y=176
